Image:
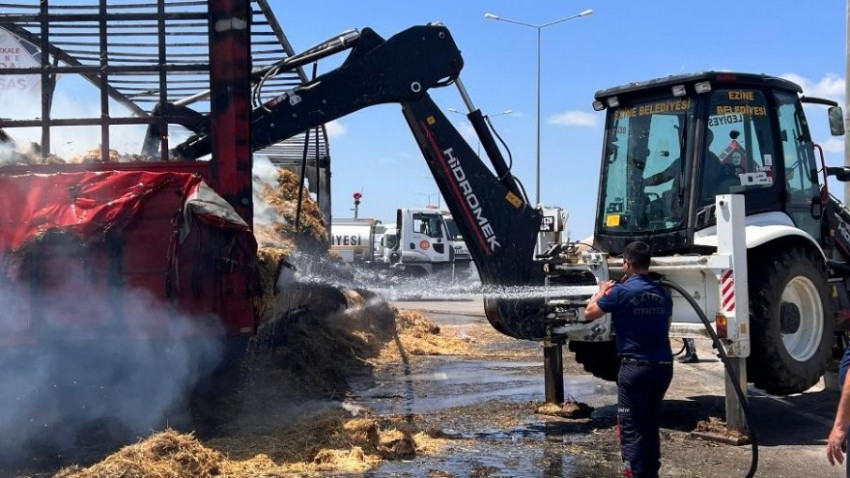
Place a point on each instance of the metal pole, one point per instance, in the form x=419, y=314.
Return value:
x=731, y=242
x=538, y=115
x=491, y=16
x=735, y=418
x=553, y=372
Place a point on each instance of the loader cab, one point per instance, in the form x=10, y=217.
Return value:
x=673, y=144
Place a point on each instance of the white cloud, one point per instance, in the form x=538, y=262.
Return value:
x=833, y=145
x=335, y=129
x=574, y=118
x=830, y=86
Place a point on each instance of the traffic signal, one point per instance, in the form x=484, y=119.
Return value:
x=357, y=197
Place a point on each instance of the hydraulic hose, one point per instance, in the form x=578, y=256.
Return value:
x=729, y=371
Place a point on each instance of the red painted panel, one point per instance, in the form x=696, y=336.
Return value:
x=121, y=275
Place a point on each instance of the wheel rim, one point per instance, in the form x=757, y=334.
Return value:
x=801, y=318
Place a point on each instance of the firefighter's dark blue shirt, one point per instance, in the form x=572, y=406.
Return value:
x=640, y=309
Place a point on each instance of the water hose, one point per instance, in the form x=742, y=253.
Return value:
x=729, y=371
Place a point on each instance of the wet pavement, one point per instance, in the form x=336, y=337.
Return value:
x=485, y=404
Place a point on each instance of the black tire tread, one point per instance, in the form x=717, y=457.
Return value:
x=769, y=366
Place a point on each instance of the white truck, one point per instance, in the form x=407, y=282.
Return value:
x=354, y=239
x=386, y=241
x=420, y=243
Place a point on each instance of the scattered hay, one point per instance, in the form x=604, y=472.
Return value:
x=351, y=460
x=277, y=432
x=396, y=444
x=32, y=153
x=326, y=442
x=415, y=324
x=571, y=408
x=717, y=426
x=330, y=441
x=714, y=429
x=416, y=335
x=94, y=156
x=167, y=455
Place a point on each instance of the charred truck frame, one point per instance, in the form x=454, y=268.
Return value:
x=79, y=238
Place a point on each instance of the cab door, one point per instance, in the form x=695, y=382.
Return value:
x=424, y=238
x=802, y=190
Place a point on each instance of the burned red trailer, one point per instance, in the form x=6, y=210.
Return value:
x=114, y=249
x=112, y=219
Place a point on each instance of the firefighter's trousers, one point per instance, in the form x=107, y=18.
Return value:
x=640, y=390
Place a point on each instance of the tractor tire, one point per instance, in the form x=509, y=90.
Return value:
x=598, y=358
x=791, y=321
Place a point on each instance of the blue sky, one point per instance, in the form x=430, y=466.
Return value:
x=623, y=41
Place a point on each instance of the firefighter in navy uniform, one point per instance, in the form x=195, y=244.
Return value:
x=641, y=311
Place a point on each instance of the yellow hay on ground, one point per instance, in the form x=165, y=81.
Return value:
x=411, y=322
x=165, y=455
x=396, y=444
x=716, y=426
x=569, y=409
x=416, y=335
x=331, y=442
x=328, y=441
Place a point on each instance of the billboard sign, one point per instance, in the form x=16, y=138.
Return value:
x=16, y=52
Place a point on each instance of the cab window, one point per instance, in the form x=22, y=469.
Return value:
x=738, y=154
x=644, y=169
x=427, y=224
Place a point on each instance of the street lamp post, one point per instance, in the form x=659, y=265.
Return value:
x=539, y=28
x=478, y=148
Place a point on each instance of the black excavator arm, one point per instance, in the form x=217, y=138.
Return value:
x=490, y=208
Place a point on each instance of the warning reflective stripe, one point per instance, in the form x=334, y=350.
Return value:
x=727, y=291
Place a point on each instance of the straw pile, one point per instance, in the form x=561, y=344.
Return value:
x=320, y=344
x=419, y=336
x=279, y=239
x=327, y=442
x=269, y=263
x=311, y=235
x=94, y=156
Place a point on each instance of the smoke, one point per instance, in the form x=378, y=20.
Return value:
x=73, y=98
x=264, y=174
x=90, y=365
x=7, y=152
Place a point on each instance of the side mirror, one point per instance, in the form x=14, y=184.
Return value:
x=836, y=120
x=841, y=173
